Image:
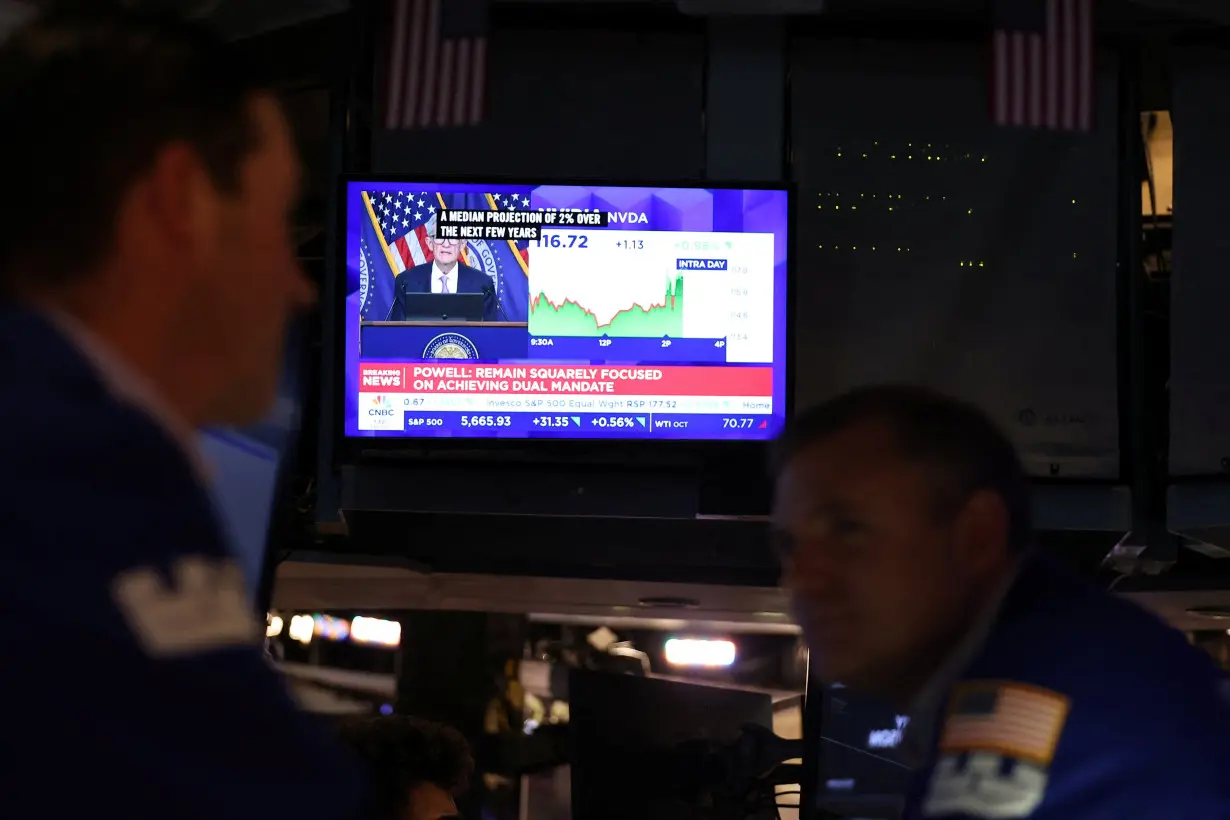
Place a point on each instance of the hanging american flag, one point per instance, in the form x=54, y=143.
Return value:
x=437, y=64
x=1042, y=64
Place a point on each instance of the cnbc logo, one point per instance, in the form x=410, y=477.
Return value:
x=381, y=413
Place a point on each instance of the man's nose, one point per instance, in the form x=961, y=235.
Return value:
x=810, y=567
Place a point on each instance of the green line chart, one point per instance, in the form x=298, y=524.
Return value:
x=660, y=318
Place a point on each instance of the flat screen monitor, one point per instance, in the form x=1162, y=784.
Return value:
x=865, y=772
x=248, y=467
x=608, y=311
x=628, y=735
x=429, y=307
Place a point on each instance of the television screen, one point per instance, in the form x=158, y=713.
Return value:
x=564, y=311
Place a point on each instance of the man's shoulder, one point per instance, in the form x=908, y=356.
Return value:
x=61, y=426
x=1051, y=603
x=101, y=494
x=415, y=274
x=470, y=272
x=1123, y=673
x=84, y=461
x=46, y=418
x=1073, y=706
x=1069, y=628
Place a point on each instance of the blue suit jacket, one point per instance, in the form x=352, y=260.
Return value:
x=1143, y=717
x=418, y=280
x=118, y=698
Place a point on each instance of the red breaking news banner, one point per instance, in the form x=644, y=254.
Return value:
x=566, y=380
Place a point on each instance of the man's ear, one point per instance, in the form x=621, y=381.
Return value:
x=180, y=197
x=981, y=530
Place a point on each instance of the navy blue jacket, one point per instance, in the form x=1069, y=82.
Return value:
x=133, y=678
x=1079, y=705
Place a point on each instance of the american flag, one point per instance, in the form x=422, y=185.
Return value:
x=1011, y=719
x=437, y=64
x=1042, y=72
x=404, y=218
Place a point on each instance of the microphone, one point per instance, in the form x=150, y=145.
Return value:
x=388, y=317
x=489, y=293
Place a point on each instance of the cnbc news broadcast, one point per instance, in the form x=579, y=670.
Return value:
x=564, y=311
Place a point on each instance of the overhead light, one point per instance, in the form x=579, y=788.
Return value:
x=302, y=628
x=273, y=625
x=375, y=631
x=699, y=652
x=330, y=628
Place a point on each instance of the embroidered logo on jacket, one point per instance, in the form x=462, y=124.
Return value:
x=206, y=607
x=996, y=747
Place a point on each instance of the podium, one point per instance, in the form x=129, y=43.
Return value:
x=443, y=340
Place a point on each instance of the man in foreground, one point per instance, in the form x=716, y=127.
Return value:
x=417, y=767
x=903, y=521
x=147, y=275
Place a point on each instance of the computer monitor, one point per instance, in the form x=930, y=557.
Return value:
x=443, y=307
x=864, y=771
x=626, y=738
x=250, y=470
x=244, y=477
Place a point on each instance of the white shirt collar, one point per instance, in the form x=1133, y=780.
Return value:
x=130, y=387
x=450, y=277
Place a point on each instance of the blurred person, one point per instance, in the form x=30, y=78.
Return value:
x=146, y=278
x=446, y=273
x=903, y=520
x=418, y=767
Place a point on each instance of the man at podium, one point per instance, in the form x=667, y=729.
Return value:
x=445, y=274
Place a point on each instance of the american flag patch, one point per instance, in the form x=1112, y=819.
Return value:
x=1012, y=719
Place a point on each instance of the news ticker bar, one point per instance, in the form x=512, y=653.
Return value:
x=372, y=406
x=563, y=380
x=454, y=223
x=632, y=425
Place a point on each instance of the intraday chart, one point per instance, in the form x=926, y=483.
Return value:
x=666, y=285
